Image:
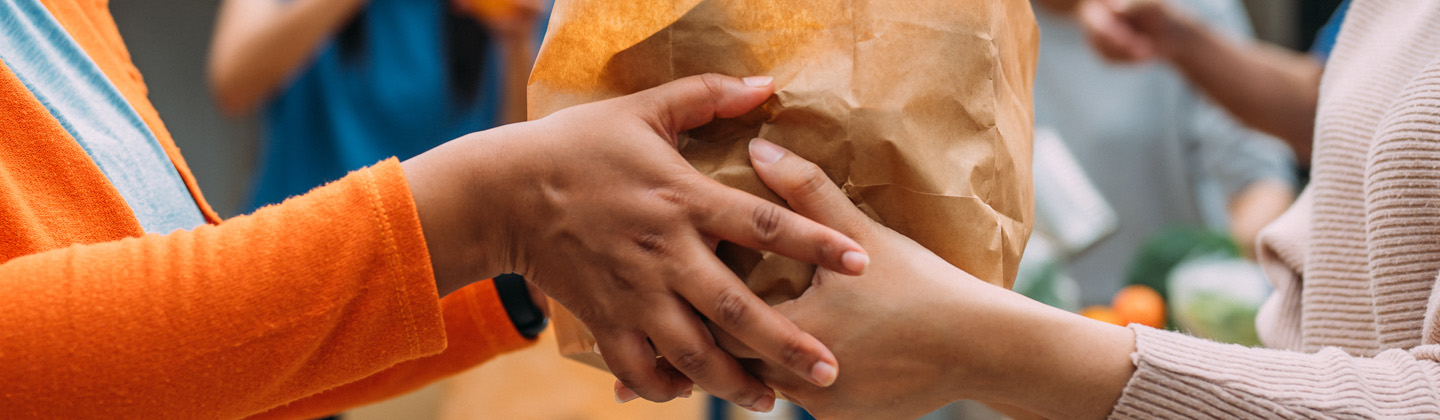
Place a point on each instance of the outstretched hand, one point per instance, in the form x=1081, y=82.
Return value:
x=595, y=205
x=1132, y=31
x=882, y=325
x=916, y=333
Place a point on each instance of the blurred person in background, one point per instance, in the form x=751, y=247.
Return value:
x=340, y=84
x=1154, y=147
x=1270, y=88
x=343, y=83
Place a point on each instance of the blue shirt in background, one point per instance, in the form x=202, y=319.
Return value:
x=344, y=113
x=1325, y=40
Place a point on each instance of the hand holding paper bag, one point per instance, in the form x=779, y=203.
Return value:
x=919, y=109
x=915, y=333
x=887, y=327
x=606, y=217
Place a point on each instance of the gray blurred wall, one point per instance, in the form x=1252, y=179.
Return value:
x=168, y=40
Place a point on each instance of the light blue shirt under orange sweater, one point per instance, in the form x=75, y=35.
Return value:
x=78, y=95
x=302, y=309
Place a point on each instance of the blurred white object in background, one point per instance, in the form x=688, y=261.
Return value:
x=1068, y=208
x=1042, y=276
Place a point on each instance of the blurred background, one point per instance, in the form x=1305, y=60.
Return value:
x=169, y=41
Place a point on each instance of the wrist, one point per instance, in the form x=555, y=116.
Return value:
x=502, y=185
x=990, y=331
x=464, y=192
x=1185, y=39
x=1066, y=365
x=525, y=309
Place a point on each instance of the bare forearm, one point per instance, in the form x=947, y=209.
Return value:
x=1058, y=364
x=258, y=44
x=1267, y=88
x=1256, y=206
x=466, y=245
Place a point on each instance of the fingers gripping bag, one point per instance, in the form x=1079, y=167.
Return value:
x=919, y=109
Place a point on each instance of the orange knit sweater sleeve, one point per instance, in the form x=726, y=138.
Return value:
x=231, y=320
x=318, y=304
x=471, y=315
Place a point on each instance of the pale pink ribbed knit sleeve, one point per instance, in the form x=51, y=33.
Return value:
x=1369, y=259
x=1178, y=376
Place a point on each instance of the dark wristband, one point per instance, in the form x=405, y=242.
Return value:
x=529, y=320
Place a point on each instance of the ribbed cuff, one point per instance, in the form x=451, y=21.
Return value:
x=476, y=314
x=1178, y=376
x=407, y=257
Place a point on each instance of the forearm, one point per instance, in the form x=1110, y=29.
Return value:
x=1055, y=363
x=1060, y=365
x=1267, y=88
x=1256, y=206
x=259, y=44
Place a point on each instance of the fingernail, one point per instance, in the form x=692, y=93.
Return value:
x=765, y=404
x=854, y=261
x=623, y=394
x=758, y=81
x=823, y=373
x=687, y=393
x=764, y=151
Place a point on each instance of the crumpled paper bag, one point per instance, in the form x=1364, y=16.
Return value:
x=920, y=109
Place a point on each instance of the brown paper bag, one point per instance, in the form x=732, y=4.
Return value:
x=919, y=109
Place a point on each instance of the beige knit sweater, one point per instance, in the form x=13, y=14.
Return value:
x=1353, y=321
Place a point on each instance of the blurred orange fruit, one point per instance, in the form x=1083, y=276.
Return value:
x=1101, y=313
x=492, y=9
x=1141, y=305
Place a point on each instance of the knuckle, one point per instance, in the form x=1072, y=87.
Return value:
x=691, y=360
x=683, y=191
x=678, y=196
x=620, y=280
x=813, y=183
x=650, y=108
x=584, y=312
x=627, y=377
x=731, y=308
x=651, y=242
x=713, y=83
x=794, y=354
x=824, y=251
x=767, y=219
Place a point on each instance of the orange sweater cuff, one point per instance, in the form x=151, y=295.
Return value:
x=410, y=263
x=475, y=325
